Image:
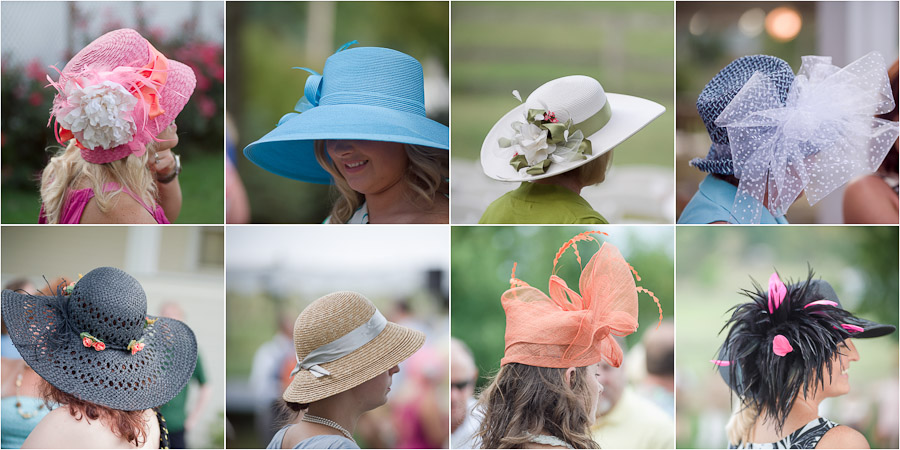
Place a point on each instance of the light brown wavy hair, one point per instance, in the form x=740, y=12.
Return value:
x=426, y=177
x=524, y=401
x=67, y=169
x=128, y=425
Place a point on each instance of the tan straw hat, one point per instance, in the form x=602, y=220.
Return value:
x=342, y=341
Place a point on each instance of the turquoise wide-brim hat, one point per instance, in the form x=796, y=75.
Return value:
x=365, y=93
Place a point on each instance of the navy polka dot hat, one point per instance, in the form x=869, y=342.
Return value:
x=719, y=92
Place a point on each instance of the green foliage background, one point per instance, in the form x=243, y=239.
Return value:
x=482, y=259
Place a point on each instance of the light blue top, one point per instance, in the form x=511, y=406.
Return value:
x=320, y=441
x=713, y=203
x=15, y=427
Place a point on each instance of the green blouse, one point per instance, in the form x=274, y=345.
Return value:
x=542, y=204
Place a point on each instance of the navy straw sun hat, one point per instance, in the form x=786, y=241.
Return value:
x=719, y=92
x=95, y=341
x=365, y=93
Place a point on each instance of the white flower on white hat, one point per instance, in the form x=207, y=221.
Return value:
x=531, y=141
x=100, y=115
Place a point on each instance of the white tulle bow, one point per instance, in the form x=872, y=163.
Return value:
x=822, y=136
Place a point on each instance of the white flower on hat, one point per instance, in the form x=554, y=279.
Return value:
x=531, y=141
x=99, y=114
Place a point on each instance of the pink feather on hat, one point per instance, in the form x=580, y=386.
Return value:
x=777, y=291
x=781, y=346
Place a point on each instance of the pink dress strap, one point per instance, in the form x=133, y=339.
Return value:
x=78, y=199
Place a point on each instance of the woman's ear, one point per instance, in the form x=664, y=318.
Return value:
x=570, y=376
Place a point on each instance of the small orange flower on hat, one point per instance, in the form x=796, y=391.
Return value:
x=91, y=341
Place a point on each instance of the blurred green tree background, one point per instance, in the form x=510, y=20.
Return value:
x=714, y=263
x=267, y=39
x=482, y=259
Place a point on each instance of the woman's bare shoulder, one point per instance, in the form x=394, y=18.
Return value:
x=869, y=200
x=843, y=436
x=60, y=429
x=124, y=209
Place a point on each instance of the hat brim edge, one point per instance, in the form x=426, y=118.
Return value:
x=288, y=149
x=145, y=399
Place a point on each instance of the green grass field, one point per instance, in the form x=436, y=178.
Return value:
x=202, y=187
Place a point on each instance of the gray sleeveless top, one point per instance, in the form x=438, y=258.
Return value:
x=321, y=441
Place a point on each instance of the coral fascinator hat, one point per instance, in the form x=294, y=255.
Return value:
x=364, y=93
x=568, y=329
x=116, y=95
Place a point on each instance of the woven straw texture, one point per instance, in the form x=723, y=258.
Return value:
x=127, y=48
x=331, y=317
x=719, y=92
x=568, y=329
x=110, y=305
x=365, y=93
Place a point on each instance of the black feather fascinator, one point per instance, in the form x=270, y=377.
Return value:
x=781, y=343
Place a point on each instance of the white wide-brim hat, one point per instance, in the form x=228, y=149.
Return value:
x=577, y=97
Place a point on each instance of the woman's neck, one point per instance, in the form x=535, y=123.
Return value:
x=802, y=412
x=339, y=409
x=397, y=204
x=569, y=182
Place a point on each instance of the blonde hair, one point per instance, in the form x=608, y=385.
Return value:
x=67, y=169
x=594, y=172
x=740, y=424
x=426, y=177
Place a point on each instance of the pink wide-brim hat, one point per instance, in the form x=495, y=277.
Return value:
x=127, y=48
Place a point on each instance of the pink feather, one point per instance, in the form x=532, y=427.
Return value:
x=720, y=363
x=821, y=302
x=852, y=328
x=777, y=291
x=781, y=346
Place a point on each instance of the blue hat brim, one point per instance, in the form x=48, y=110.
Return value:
x=288, y=150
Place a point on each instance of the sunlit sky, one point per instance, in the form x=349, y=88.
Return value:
x=315, y=259
x=343, y=248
